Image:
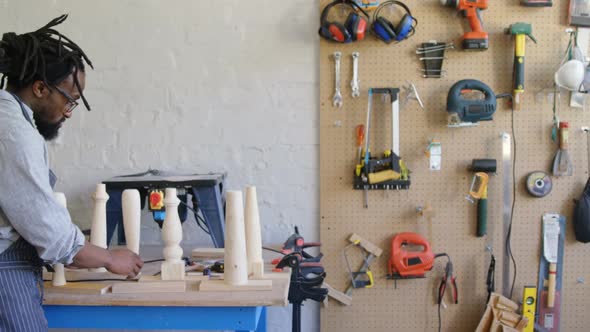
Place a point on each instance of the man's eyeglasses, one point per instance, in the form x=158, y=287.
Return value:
x=72, y=103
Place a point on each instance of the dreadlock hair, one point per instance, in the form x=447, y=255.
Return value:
x=44, y=55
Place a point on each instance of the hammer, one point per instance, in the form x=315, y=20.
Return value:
x=483, y=166
x=520, y=30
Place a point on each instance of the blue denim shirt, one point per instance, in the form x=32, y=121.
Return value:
x=28, y=208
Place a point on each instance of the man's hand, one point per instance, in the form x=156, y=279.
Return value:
x=118, y=261
x=124, y=262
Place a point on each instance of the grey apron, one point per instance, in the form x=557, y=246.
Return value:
x=21, y=282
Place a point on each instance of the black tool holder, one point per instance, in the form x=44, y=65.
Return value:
x=369, y=163
x=307, y=274
x=303, y=286
x=432, y=55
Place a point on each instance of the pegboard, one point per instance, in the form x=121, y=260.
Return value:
x=451, y=228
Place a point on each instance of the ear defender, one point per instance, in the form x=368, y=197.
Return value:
x=353, y=29
x=336, y=32
x=387, y=31
x=384, y=30
x=404, y=27
x=356, y=26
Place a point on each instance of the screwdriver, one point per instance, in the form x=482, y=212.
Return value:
x=360, y=137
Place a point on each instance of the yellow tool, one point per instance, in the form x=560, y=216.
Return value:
x=360, y=137
x=520, y=31
x=387, y=174
x=479, y=186
x=529, y=304
x=479, y=191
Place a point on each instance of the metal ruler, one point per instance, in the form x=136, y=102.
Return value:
x=395, y=121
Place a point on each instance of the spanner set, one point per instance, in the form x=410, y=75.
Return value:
x=354, y=83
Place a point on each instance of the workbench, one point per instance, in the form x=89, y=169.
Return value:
x=191, y=310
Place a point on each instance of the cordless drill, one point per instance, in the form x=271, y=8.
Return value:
x=476, y=39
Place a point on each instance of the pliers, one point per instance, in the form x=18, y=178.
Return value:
x=448, y=277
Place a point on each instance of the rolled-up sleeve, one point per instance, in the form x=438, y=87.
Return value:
x=27, y=199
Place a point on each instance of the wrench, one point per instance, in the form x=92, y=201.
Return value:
x=354, y=84
x=337, y=99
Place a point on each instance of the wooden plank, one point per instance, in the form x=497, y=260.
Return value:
x=268, y=275
x=208, y=253
x=275, y=297
x=221, y=286
x=87, y=288
x=337, y=295
x=200, y=276
x=72, y=275
x=368, y=245
x=219, y=276
x=149, y=287
x=188, y=277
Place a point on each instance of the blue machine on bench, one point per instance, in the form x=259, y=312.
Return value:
x=206, y=192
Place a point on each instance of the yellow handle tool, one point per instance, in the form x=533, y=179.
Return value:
x=520, y=31
x=479, y=191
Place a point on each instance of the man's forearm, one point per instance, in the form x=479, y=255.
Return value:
x=91, y=256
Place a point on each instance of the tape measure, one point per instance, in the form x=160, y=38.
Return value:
x=538, y=184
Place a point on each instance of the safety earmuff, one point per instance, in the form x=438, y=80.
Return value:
x=387, y=31
x=354, y=28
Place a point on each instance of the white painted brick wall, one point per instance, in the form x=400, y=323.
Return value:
x=194, y=86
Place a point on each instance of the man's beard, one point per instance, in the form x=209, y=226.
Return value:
x=48, y=130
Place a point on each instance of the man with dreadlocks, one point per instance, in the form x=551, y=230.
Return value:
x=43, y=72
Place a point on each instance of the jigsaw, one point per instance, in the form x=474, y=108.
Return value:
x=470, y=101
x=409, y=264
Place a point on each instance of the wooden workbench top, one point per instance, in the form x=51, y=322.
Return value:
x=275, y=297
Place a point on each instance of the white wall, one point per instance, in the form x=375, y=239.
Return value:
x=194, y=86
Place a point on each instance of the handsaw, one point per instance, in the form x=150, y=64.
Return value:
x=550, y=252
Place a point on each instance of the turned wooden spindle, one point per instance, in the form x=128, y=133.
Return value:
x=98, y=230
x=59, y=275
x=131, y=218
x=173, y=266
x=235, y=257
x=253, y=236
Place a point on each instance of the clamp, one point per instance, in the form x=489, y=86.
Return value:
x=296, y=244
x=302, y=286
